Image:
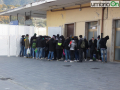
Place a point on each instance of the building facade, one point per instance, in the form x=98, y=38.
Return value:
x=87, y=21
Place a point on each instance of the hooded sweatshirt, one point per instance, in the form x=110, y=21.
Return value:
x=66, y=43
x=103, y=42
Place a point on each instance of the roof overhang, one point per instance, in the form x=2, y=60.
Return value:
x=39, y=9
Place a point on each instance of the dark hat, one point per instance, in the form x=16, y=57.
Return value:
x=27, y=35
x=98, y=36
x=80, y=36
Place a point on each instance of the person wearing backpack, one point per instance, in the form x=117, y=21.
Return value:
x=93, y=48
x=81, y=46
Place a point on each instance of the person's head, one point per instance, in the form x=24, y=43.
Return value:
x=92, y=38
x=35, y=34
x=80, y=36
x=107, y=37
x=98, y=37
x=57, y=35
x=27, y=35
x=23, y=36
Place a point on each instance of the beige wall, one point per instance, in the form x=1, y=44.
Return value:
x=60, y=18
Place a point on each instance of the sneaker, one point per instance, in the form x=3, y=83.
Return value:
x=105, y=61
x=33, y=58
x=42, y=58
x=48, y=59
x=75, y=60
x=51, y=60
x=58, y=60
x=36, y=58
x=71, y=61
x=65, y=61
x=91, y=60
x=24, y=56
x=85, y=60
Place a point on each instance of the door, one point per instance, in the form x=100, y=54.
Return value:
x=70, y=30
x=117, y=40
x=92, y=32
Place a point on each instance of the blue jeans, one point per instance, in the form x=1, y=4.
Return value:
x=67, y=54
x=76, y=55
x=103, y=52
x=41, y=51
x=50, y=53
x=38, y=52
x=21, y=50
x=25, y=51
x=33, y=52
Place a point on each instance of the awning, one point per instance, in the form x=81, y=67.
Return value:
x=39, y=9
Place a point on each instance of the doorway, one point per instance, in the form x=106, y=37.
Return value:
x=92, y=30
x=70, y=30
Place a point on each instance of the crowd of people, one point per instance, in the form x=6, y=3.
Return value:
x=71, y=49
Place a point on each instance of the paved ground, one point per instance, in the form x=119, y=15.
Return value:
x=29, y=74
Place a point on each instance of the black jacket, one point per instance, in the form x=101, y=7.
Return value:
x=92, y=45
x=66, y=43
x=103, y=42
x=86, y=44
x=51, y=45
x=79, y=43
x=40, y=42
x=58, y=41
x=31, y=40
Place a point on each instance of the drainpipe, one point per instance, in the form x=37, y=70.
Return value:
x=102, y=22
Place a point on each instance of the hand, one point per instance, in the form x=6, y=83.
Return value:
x=78, y=49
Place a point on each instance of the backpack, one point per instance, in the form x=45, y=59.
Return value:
x=83, y=44
x=34, y=43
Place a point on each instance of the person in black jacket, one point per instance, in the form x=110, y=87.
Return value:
x=31, y=43
x=51, y=48
x=80, y=43
x=85, y=49
x=67, y=49
x=38, y=46
x=58, y=47
x=93, y=47
x=76, y=49
x=44, y=44
x=103, y=47
x=22, y=45
x=40, y=43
